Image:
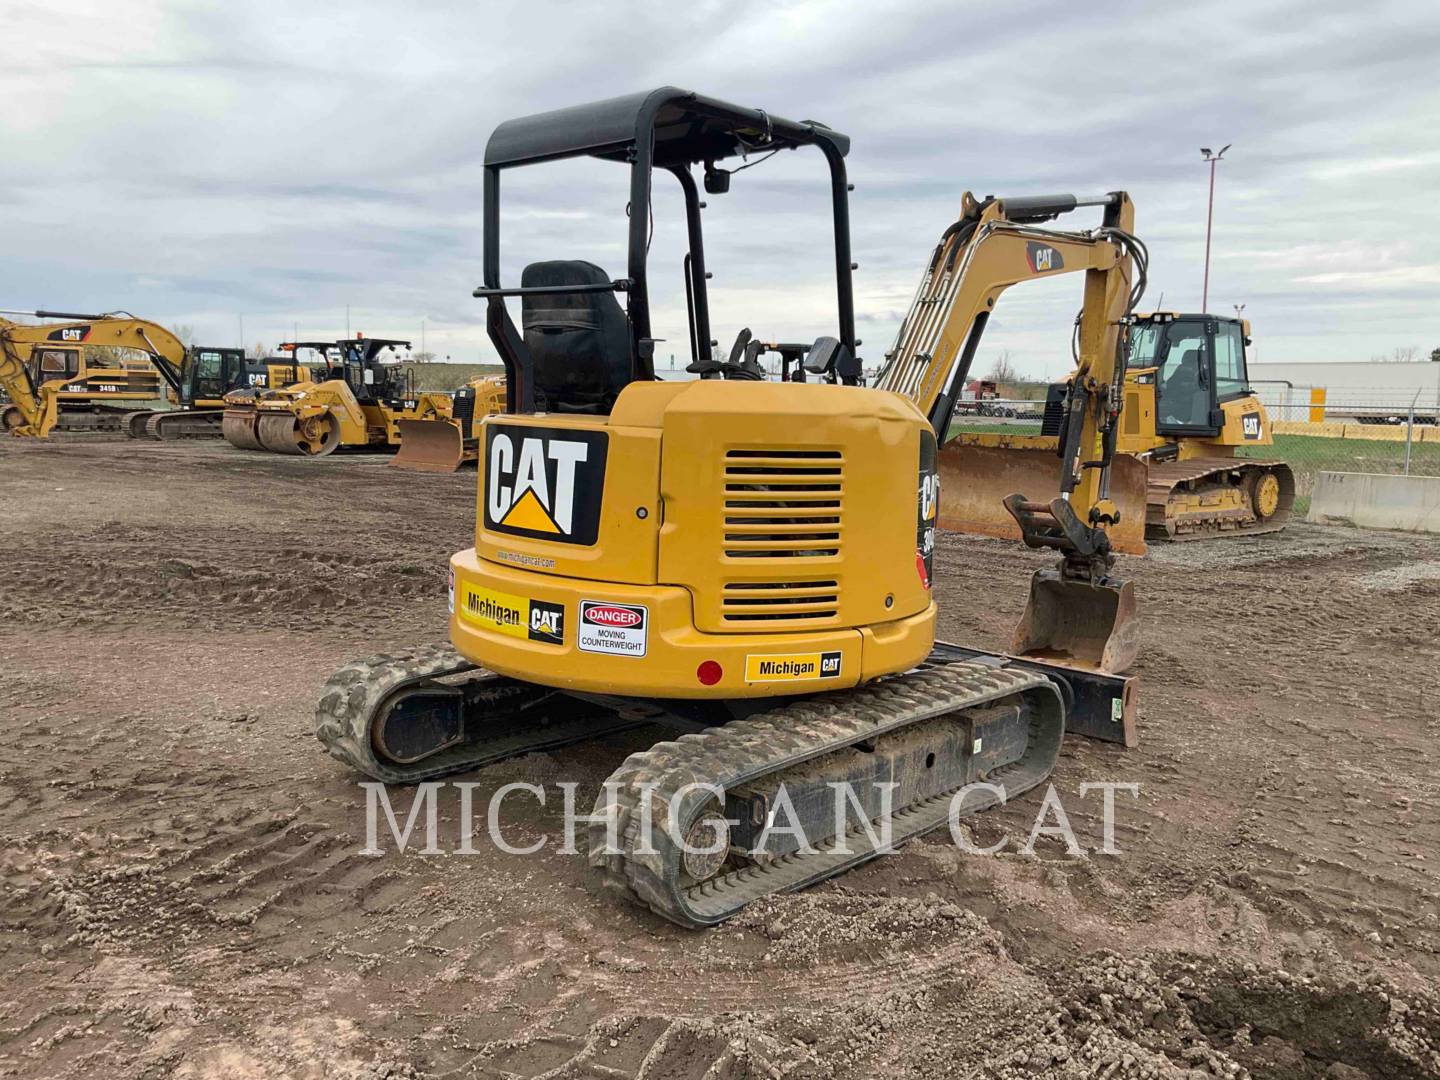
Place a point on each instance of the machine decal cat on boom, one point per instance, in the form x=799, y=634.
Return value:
x=1043, y=257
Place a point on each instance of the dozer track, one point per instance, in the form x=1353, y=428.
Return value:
x=891, y=730
x=1199, y=498
x=444, y=727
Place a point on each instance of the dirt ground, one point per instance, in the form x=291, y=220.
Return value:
x=184, y=894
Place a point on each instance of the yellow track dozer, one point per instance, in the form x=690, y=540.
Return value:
x=1188, y=410
x=359, y=405
x=444, y=444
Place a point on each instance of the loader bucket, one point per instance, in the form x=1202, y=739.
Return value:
x=1079, y=624
x=429, y=446
x=978, y=471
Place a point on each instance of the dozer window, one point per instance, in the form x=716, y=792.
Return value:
x=1184, y=389
x=1144, y=344
x=1230, y=380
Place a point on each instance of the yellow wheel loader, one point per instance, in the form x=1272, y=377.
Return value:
x=747, y=563
x=444, y=444
x=67, y=374
x=1189, y=411
x=357, y=401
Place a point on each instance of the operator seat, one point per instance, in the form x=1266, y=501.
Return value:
x=580, y=342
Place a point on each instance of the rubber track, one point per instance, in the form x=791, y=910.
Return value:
x=772, y=741
x=358, y=693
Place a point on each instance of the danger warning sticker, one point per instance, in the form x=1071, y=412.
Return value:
x=616, y=629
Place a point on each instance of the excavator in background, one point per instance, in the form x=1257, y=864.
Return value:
x=444, y=444
x=198, y=389
x=749, y=562
x=356, y=401
x=53, y=378
x=1188, y=410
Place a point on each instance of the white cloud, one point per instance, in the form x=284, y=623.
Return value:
x=198, y=162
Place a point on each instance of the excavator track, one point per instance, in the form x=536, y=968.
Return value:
x=1199, y=498
x=646, y=864
x=170, y=424
x=499, y=717
x=184, y=424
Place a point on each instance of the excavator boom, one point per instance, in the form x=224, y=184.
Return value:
x=1078, y=613
x=35, y=399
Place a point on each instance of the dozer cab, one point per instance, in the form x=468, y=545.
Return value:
x=355, y=401
x=1189, y=411
x=748, y=563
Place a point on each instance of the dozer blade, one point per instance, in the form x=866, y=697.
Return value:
x=1078, y=624
x=430, y=446
x=978, y=471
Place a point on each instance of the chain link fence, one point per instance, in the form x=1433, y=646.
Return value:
x=1364, y=437
x=1357, y=435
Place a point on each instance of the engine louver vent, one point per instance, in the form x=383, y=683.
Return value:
x=780, y=506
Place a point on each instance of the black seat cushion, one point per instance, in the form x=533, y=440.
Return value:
x=580, y=342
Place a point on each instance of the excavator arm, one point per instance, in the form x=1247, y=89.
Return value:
x=37, y=404
x=33, y=410
x=1078, y=612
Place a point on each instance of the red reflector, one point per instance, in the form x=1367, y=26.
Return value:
x=709, y=673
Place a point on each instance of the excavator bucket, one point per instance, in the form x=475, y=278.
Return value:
x=1078, y=624
x=431, y=446
x=978, y=471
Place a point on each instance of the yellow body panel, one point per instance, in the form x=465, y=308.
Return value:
x=482, y=629
x=769, y=527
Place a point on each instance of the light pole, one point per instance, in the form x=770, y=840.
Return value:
x=1212, y=158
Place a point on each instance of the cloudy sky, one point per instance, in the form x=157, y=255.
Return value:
x=208, y=164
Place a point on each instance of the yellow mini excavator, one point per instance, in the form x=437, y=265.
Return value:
x=1189, y=410
x=355, y=400
x=66, y=373
x=445, y=443
x=748, y=562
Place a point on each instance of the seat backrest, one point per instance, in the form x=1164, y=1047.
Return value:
x=580, y=342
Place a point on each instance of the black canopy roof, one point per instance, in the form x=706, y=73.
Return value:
x=689, y=128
